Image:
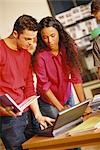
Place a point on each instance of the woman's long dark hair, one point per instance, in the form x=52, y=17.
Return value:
x=64, y=38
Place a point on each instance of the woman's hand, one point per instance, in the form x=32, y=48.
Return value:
x=65, y=107
x=88, y=111
x=44, y=121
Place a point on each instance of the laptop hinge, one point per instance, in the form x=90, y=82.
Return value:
x=67, y=127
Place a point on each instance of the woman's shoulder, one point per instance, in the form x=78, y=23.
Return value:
x=43, y=53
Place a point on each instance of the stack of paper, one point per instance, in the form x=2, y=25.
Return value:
x=88, y=125
x=95, y=103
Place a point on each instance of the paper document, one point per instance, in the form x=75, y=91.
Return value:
x=88, y=125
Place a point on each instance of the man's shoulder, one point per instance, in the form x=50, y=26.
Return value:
x=2, y=46
x=26, y=52
x=1, y=42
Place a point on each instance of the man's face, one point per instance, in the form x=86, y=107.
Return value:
x=26, y=39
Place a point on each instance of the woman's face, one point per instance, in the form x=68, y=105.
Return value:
x=50, y=36
x=97, y=16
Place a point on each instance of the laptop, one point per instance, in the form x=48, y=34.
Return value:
x=66, y=120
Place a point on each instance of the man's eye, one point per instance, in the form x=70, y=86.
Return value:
x=27, y=39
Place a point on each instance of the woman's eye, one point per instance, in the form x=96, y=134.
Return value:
x=52, y=35
x=44, y=36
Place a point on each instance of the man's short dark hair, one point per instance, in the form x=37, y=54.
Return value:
x=25, y=22
x=95, y=6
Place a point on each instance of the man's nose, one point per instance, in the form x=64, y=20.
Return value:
x=30, y=42
x=35, y=40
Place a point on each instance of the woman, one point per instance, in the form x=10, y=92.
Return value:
x=56, y=66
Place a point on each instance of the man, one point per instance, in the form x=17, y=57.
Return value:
x=16, y=80
x=95, y=10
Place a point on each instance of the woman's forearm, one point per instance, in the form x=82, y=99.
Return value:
x=79, y=91
x=51, y=97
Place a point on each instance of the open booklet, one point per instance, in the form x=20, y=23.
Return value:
x=7, y=100
x=90, y=124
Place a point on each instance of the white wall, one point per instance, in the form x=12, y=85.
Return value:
x=10, y=10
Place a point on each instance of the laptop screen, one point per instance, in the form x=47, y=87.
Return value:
x=70, y=114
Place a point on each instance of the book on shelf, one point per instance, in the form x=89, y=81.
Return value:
x=90, y=124
x=7, y=100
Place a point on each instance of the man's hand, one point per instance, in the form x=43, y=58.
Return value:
x=9, y=111
x=44, y=121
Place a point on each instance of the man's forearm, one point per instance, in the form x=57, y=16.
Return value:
x=35, y=109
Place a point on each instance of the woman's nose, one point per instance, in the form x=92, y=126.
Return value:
x=49, y=39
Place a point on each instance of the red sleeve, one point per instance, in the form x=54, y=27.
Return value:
x=75, y=75
x=29, y=87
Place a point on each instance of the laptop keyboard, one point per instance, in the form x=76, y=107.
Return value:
x=46, y=132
